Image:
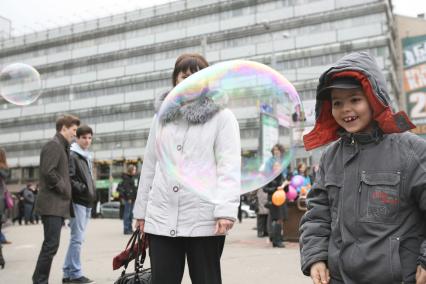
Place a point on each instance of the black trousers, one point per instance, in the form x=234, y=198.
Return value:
x=167, y=256
x=52, y=226
x=262, y=225
x=2, y=262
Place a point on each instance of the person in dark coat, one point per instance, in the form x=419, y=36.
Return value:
x=367, y=209
x=28, y=196
x=277, y=214
x=128, y=191
x=20, y=208
x=54, y=199
x=36, y=217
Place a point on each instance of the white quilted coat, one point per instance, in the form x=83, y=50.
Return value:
x=168, y=207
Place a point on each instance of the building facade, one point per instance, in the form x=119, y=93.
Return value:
x=5, y=28
x=412, y=42
x=108, y=71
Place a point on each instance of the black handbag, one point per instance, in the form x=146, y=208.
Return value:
x=141, y=275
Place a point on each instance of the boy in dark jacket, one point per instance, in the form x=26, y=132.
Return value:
x=366, y=218
x=83, y=198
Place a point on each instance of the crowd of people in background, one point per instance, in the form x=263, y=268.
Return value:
x=271, y=219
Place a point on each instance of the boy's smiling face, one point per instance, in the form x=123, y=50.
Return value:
x=351, y=110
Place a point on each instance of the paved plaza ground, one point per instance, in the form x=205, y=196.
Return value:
x=246, y=259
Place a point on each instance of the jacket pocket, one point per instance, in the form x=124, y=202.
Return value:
x=333, y=185
x=395, y=260
x=379, y=197
x=206, y=211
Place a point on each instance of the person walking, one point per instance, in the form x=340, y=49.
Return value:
x=83, y=198
x=54, y=198
x=4, y=174
x=180, y=224
x=128, y=190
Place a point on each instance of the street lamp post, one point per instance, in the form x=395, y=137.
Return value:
x=267, y=26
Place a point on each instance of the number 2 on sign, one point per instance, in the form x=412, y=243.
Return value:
x=419, y=109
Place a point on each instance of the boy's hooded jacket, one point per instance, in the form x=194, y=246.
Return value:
x=364, y=68
x=202, y=141
x=367, y=209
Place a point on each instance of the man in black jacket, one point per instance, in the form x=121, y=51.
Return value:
x=128, y=191
x=83, y=198
x=53, y=200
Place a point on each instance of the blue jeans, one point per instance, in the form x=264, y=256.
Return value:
x=72, y=265
x=128, y=216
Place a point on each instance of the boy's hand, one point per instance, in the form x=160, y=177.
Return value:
x=420, y=275
x=320, y=273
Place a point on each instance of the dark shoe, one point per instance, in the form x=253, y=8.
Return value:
x=2, y=262
x=82, y=279
x=66, y=280
x=278, y=245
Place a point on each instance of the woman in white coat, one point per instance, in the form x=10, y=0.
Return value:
x=178, y=222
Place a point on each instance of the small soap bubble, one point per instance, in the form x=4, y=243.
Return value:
x=20, y=84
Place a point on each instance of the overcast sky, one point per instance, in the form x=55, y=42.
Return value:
x=33, y=15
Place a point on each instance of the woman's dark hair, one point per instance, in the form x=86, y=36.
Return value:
x=299, y=166
x=83, y=130
x=188, y=61
x=3, y=161
x=279, y=147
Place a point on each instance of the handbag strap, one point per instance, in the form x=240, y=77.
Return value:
x=141, y=243
x=131, y=255
x=141, y=252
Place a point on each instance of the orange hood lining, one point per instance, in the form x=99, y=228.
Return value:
x=325, y=129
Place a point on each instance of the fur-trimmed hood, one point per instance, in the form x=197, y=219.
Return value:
x=363, y=67
x=197, y=112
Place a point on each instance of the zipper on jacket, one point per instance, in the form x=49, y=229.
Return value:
x=360, y=181
x=360, y=194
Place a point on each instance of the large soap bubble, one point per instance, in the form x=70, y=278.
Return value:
x=20, y=84
x=265, y=104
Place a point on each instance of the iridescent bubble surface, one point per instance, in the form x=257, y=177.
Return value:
x=267, y=107
x=20, y=84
